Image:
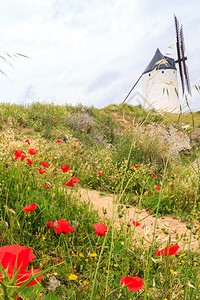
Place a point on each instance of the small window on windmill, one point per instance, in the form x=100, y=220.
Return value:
x=163, y=72
x=149, y=74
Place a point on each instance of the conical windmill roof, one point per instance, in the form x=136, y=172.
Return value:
x=168, y=62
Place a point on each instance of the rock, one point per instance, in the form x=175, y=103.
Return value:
x=53, y=284
x=180, y=140
x=196, y=163
x=177, y=140
x=195, y=134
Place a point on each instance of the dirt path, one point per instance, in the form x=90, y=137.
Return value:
x=168, y=224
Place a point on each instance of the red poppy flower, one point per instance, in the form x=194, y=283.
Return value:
x=149, y=172
x=78, y=151
x=22, y=157
x=132, y=283
x=74, y=147
x=136, y=224
x=154, y=175
x=41, y=171
x=100, y=174
x=76, y=141
x=30, y=207
x=63, y=226
x=100, y=229
x=132, y=165
x=50, y=224
x=56, y=259
x=27, y=141
x=65, y=168
x=72, y=181
x=18, y=152
x=54, y=120
x=170, y=174
x=30, y=162
x=16, y=256
x=171, y=184
x=32, y=151
x=47, y=186
x=136, y=166
x=158, y=188
x=44, y=164
x=171, y=251
x=75, y=180
x=58, y=141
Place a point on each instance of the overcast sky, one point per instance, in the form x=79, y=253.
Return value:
x=90, y=51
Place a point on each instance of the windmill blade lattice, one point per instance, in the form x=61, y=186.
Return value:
x=185, y=68
x=179, y=52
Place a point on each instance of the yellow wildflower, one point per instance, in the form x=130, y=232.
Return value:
x=115, y=265
x=86, y=259
x=171, y=271
x=182, y=255
x=72, y=277
x=81, y=255
x=93, y=255
x=74, y=255
x=85, y=282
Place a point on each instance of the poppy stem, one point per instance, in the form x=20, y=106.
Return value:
x=5, y=292
x=68, y=252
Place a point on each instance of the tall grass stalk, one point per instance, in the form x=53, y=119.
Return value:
x=154, y=230
x=186, y=295
x=114, y=210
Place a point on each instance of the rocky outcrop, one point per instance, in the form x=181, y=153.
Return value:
x=195, y=134
x=177, y=140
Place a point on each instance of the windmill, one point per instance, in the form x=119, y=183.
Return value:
x=159, y=79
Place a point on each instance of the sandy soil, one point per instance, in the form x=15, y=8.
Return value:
x=169, y=224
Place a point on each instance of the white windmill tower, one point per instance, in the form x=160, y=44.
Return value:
x=159, y=79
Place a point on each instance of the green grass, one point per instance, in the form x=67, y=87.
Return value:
x=127, y=163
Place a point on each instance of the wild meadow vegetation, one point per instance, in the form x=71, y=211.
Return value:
x=47, y=152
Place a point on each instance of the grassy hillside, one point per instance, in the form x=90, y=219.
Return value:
x=109, y=150
x=110, y=141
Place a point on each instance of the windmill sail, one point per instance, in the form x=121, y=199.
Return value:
x=179, y=53
x=185, y=68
